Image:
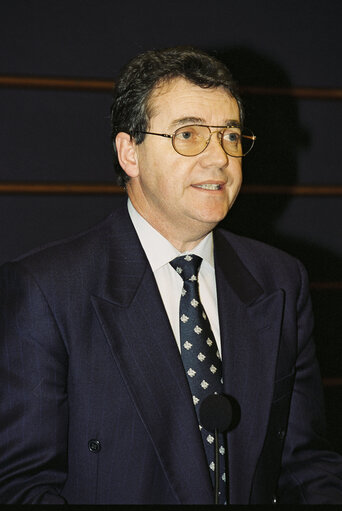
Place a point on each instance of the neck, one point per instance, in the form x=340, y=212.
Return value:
x=183, y=238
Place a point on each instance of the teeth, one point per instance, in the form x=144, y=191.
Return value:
x=209, y=186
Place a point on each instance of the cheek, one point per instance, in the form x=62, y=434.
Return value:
x=235, y=172
x=174, y=176
x=165, y=173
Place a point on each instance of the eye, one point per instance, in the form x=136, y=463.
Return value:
x=232, y=137
x=185, y=134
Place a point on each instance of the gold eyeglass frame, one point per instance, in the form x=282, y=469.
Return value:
x=250, y=135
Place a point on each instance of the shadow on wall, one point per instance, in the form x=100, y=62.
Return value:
x=273, y=161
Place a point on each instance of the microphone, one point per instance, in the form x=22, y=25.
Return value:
x=216, y=412
x=216, y=415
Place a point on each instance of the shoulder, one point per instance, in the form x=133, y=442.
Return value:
x=79, y=244
x=70, y=245
x=245, y=245
x=75, y=258
x=266, y=263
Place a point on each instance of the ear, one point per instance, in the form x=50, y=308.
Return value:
x=126, y=152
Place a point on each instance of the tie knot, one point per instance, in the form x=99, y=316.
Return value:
x=187, y=266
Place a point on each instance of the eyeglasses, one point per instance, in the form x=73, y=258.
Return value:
x=194, y=139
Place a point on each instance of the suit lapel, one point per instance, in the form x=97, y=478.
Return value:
x=137, y=329
x=250, y=324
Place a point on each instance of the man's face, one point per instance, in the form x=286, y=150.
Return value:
x=170, y=189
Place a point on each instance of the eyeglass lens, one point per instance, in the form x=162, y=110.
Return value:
x=192, y=140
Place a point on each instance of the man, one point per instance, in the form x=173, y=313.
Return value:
x=97, y=403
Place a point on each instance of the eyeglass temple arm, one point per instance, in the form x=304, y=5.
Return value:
x=159, y=134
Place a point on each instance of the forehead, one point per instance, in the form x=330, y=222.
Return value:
x=180, y=99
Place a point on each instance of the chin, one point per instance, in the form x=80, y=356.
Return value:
x=211, y=220
x=215, y=216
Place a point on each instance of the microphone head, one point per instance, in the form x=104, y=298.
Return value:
x=216, y=412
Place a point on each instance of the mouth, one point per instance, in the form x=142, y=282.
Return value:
x=209, y=186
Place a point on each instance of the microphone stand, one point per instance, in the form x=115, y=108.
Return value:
x=217, y=467
x=216, y=415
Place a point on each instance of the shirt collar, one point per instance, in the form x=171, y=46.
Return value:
x=159, y=251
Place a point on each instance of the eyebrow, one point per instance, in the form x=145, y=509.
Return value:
x=184, y=121
x=233, y=124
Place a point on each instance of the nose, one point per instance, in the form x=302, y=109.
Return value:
x=214, y=153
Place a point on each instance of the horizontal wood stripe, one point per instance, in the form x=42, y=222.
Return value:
x=96, y=85
x=322, y=286
x=312, y=190
x=332, y=382
x=35, y=82
x=296, y=92
x=87, y=188
x=60, y=188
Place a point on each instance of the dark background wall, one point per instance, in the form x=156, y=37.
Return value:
x=287, y=58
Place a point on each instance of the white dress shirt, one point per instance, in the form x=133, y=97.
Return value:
x=159, y=252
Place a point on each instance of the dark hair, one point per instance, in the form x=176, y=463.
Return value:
x=130, y=111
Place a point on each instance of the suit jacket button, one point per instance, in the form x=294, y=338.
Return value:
x=94, y=445
x=281, y=434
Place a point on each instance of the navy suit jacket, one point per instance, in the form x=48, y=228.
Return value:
x=95, y=405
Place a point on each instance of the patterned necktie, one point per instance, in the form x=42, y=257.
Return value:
x=200, y=356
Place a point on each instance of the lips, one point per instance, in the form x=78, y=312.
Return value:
x=209, y=186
